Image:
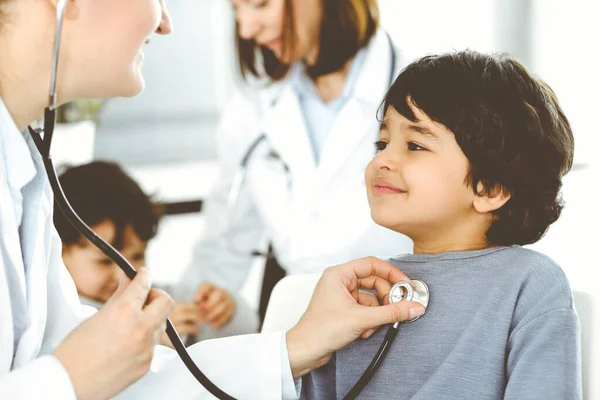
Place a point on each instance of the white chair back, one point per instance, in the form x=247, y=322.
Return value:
x=289, y=300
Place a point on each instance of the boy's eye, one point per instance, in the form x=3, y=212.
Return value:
x=412, y=146
x=139, y=257
x=380, y=145
x=260, y=4
x=105, y=261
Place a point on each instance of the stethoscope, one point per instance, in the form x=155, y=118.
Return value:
x=43, y=146
x=239, y=177
x=413, y=290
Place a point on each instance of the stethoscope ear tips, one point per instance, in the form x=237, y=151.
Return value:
x=413, y=290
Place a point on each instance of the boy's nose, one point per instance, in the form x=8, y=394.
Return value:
x=383, y=160
x=166, y=24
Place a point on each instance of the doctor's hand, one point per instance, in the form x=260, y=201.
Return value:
x=114, y=348
x=339, y=312
x=185, y=320
x=216, y=305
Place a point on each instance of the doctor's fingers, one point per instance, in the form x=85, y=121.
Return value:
x=223, y=319
x=373, y=317
x=185, y=312
x=381, y=286
x=367, y=299
x=136, y=292
x=370, y=300
x=367, y=267
x=217, y=297
x=160, y=305
x=220, y=310
x=205, y=289
x=186, y=328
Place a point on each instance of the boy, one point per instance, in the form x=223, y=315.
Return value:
x=469, y=162
x=116, y=208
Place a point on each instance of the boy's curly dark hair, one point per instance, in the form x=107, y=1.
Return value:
x=509, y=125
x=101, y=191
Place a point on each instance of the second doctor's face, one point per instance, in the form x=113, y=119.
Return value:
x=102, y=50
x=264, y=22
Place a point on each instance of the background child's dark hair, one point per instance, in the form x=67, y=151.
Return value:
x=101, y=191
x=509, y=125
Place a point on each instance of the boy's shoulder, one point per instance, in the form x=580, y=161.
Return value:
x=542, y=284
x=534, y=282
x=534, y=267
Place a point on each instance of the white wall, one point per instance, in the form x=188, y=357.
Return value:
x=433, y=26
x=189, y=77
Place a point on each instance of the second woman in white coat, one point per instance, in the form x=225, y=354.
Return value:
x=315, y=73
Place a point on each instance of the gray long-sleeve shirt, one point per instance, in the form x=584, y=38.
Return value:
x=500, y=324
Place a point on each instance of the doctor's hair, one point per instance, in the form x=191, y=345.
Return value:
x=509, y=125
x=101, y=191
x=346, y=27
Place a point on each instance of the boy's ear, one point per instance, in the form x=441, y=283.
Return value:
x=488, y=200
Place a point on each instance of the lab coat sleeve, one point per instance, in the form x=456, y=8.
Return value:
x=222, y=256
x=254, y=367
x=43, y=378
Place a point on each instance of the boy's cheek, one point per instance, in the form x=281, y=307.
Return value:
x=369, y=174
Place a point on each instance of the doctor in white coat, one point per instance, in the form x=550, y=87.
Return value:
x=45, y=349
x=304, y=126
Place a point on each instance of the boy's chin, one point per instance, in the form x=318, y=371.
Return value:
x=386, y=220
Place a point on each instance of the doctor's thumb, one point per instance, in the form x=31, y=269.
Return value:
x=124, y=282
x=392, y=313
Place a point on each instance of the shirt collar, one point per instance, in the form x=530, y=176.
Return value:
x=304, y=86
x=20, y=168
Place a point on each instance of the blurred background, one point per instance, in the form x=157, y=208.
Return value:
x=165, y=138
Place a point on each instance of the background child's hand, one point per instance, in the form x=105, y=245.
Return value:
x=185, y=319
x=216, y=305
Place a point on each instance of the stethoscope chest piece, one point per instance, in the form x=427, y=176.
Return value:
x=413, y=290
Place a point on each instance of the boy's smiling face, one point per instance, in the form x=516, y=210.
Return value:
x=416, y=185
x=95, y=275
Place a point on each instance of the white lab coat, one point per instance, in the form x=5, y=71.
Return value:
x=324, y=218
x=248, y=367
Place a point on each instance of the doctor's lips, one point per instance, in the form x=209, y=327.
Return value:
x=272, y=45
x=381, y=187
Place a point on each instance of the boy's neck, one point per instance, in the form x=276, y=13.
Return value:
x=465, y=236
x=436, y=248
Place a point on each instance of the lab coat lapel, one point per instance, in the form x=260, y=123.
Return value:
x=37, y=215
x=6, y=262
x=354, y=127
x=6, y=328
x=286, y=131
x=12, y=266
x=357, y=124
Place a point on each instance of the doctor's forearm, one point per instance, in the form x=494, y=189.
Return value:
x=303, y=353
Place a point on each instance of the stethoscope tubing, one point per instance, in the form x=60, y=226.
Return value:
x=366, y=377
x=113, y=254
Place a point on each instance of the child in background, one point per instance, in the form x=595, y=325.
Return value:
x=471, y=153
x=116, y=208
